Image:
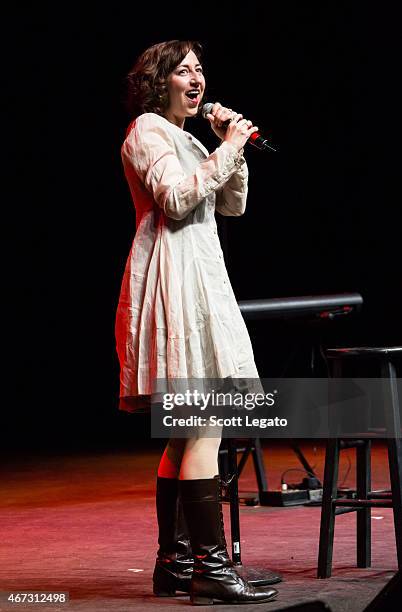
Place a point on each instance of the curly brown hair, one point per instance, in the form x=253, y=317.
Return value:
x=147, y=80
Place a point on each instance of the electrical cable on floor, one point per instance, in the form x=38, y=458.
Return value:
x=310, y=474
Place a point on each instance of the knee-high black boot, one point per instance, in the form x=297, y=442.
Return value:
x=214, y=576
x=174, y=562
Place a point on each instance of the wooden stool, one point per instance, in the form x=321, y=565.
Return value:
x=365, y=499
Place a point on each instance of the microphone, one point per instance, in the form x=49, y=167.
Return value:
x=255, y=139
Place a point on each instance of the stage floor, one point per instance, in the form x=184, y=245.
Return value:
x=85, y=523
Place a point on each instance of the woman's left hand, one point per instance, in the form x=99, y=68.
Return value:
x=218, y=115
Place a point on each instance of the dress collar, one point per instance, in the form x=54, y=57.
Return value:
x=189, y=137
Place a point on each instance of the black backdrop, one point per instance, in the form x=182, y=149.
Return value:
x=322, y=217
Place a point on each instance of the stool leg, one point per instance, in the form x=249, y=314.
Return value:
x=259, y=468
x=394, y=450
x=395, y=471
x=363, y=518
x=223, y=460
x=234, y=502
x=330, y=490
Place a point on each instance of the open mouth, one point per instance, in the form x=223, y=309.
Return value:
x=193, y=95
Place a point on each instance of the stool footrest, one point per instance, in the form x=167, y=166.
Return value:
x=363, y=503
x=379, y=494
x=345, y=510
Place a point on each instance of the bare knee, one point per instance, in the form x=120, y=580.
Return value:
x=175, y=449
x=200, y=458
x=170, y=463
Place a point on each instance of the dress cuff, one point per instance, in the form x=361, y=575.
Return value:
x=236, y=155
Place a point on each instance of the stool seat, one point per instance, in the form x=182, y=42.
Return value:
x=362, y=350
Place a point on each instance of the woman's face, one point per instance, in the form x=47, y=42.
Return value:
x=186, y=85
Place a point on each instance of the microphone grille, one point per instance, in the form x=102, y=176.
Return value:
x=206, y=108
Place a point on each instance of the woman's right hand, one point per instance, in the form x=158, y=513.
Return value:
x=239, y=131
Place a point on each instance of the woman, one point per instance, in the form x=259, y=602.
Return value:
x=177, y=315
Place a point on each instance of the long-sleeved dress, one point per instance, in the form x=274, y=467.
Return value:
x=177, y=316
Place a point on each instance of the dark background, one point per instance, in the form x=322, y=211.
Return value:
x=322, y=217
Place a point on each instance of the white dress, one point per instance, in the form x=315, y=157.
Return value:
x=177, y=315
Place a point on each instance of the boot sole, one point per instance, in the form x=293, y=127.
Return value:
x=209, y=601
x=262, y=582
